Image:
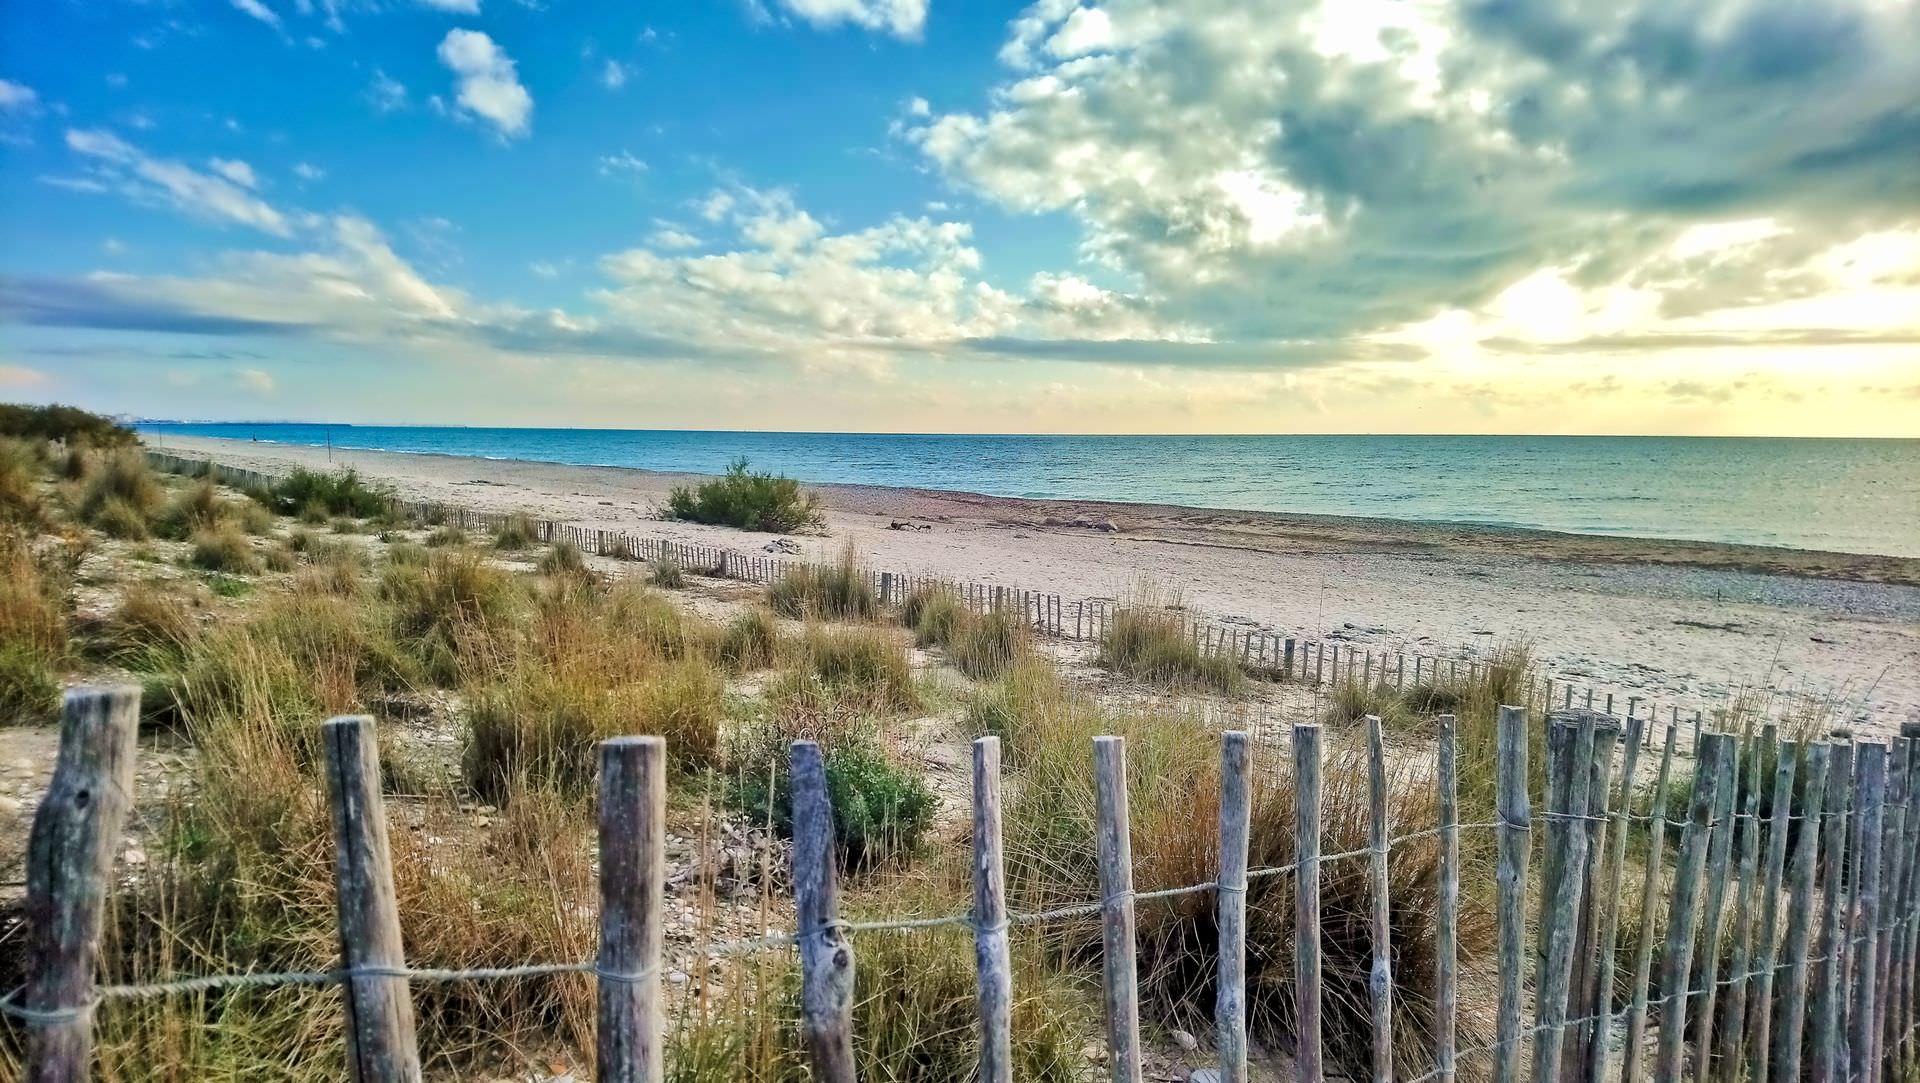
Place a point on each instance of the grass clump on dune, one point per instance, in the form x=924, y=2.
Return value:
x=932, y=612
x=749, y=641
x=34, y=607
x=318, y=496
x=747, y=500
x=121, y=490
x=563, y=558
x=667, y=575
x=21, y=502
x=449, y=608
x=515, y=532
x=838, y=591
x=1151, y=644
x=223, y=548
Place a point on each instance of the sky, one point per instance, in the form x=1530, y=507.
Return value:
x=1499, y=216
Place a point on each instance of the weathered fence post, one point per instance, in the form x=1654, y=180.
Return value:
x=826, y=955
x=1605, y=898
x=1446, y=994
x=1230, y=994
x=1893, y=861
x=1783, y=1060
x=1713, y=917
x=1306, y=902
x=69, y=872
x=633, y=874
x=380, y=1043
x=1631, y=1050
x=1760, y=1026
x=1829, y=989
x=1872, y=804
x=1516, y=832
x=1715, y=750
x=993, y=967
x=1121, y=978
x=1569, y=748
x=1734, y=1026
x=1380, y=975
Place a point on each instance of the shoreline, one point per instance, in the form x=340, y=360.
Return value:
x=1690, y=623
x=1307, y=527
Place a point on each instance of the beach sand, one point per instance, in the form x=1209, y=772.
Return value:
x=1679, y=624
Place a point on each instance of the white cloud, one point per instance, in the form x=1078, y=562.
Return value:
x=258, y=10
x=206, y=195
x=487, y=85
x=255, y=381
x=623, y=163
x=307, y=171
x=901, y=18
x=673, y=238
x=544, y=269
x=613, y=74
x=458, y=7
x=238, y=172
x=17, y=96
x=387, y=94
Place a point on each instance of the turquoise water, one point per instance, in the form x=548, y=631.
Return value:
x=1858, y=496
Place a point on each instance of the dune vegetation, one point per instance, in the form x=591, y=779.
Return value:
x=493, y=665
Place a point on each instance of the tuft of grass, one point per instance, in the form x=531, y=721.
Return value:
x=449, y=609
x=563, y=558
x=29, y=687
x=750, y=641
x=21, y=502
x=121, y=477
x=1151, y=644
x=866, y=668
x=151, y=625
x=986, y=645
x=345, y=524
x=118, y=519
x=516, y=532
x=444, y=536
x=667, y=575
x=933, y=612
x=1354, y=700
x=195, y=508
x=747, y=500
x=838, y=591
x=223, y=548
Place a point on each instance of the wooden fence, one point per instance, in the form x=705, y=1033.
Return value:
x=1790, y=949
x=1319, y=663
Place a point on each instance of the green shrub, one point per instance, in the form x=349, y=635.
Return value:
x=826, y=591
x=66, y=423
x=516, y=532
x=1152, y=644
x=881, y=810
x=317, y=497
x=224, y=549
x=449, y=607
x=747, y=500
x=932, y=612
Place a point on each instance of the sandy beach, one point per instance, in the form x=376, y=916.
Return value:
x=1675, y=623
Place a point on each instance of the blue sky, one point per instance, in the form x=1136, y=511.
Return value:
x=1147, y=215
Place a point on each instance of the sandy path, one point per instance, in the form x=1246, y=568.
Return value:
x=1681, y=623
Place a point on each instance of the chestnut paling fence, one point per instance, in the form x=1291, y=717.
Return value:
x=1319, y=663
x=1790, y=950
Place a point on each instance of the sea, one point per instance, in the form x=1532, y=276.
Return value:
x=1840, y=495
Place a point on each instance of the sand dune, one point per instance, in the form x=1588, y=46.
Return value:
x=1682, y=623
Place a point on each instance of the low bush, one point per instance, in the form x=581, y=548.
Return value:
x=311, y=494
x=881, y=810
x=866, y=666
x=448, y=609
x=120, y=520
x=69, y=424
x=150, y=626
x=838, y=591
x=224, y=548
x=1152, y=644
x=747, y=500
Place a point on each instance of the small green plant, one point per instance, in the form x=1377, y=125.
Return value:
x=317, y=497
x=933, y=612
x=748, y=501
x=29, y=688
x=881, y=811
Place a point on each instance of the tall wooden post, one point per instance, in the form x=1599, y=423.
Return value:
x=1306, y=903
x=826, y=955
x=1516, y=833
x=380, y=1042
x=70, y=851
x=1230, y=995
x=1380, y=975
x=633, y=875
x=1716, y=749
x=1119, y=969
x=1446, y=995
x=993, y=966
x=1783, y=1059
